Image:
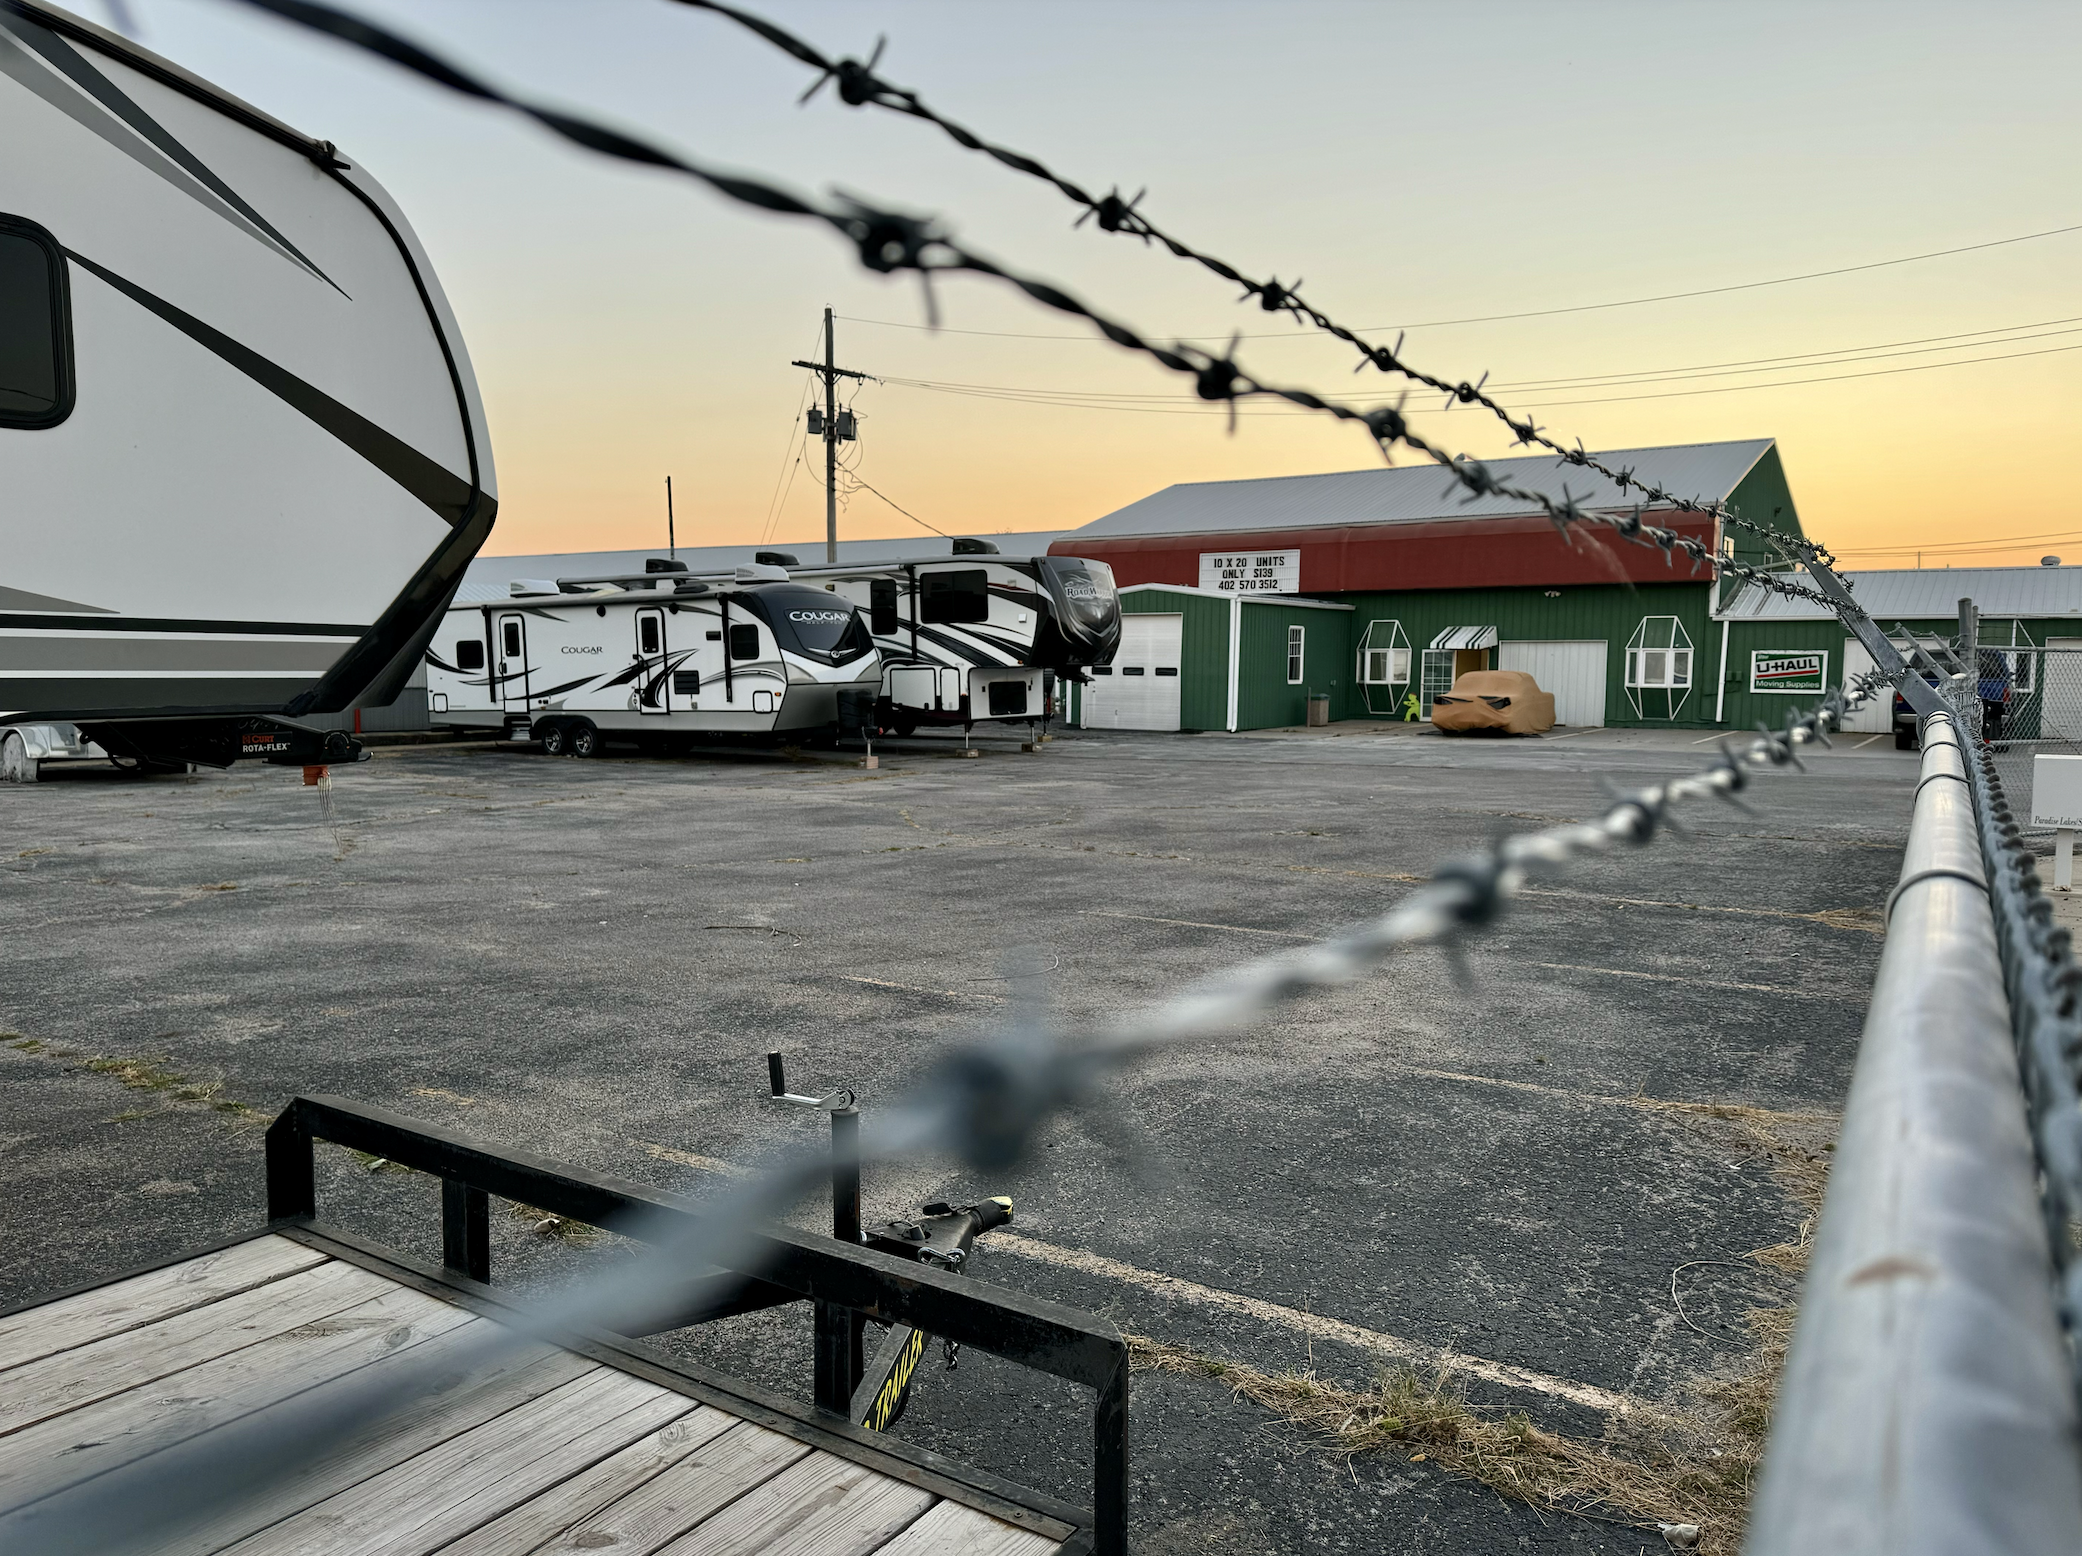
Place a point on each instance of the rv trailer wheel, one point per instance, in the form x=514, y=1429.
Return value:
x=554, y=737
x=585, y=740
x=904, y=725
x=16, y=765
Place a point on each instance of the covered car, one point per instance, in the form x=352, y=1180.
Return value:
x=1507, y=701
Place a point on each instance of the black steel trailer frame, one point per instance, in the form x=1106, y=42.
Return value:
x=845, y=1282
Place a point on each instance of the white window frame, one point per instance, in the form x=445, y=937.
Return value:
x=1383, y=640
x=1660, y=657
x=1430, y=684
x=1297, y=655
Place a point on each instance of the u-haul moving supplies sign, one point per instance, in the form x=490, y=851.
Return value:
x=1769, y=672
x=1251, y=572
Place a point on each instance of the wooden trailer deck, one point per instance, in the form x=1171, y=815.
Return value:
x=598, y=1442
x=557, y=1452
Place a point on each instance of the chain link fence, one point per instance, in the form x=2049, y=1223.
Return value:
x=2043, y=716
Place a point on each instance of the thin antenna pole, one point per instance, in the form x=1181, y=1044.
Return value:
x=672, y=548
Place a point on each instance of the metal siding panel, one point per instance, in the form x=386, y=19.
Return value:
x=1607, y=611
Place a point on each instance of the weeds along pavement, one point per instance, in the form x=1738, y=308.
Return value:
x=1534, y=1199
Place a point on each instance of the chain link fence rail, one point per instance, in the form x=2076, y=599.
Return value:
x=1928, y=1402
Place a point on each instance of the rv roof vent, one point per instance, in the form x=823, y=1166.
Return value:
x=775, y=559
x=658, y=564
x=762, y=572
x=521, y=588
x=966, y=546
x=690, y=586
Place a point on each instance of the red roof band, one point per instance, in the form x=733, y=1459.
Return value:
x=1451, y=554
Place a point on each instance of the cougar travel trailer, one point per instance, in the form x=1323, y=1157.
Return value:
x=575, y=661
x=975, y=637
x=241, y=451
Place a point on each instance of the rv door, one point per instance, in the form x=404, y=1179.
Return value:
x=513, y=661
x=651, y=680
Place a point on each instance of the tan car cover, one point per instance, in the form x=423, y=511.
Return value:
x=1508, y=701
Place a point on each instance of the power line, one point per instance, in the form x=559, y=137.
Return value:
x=1533, y=313
x=906, y=512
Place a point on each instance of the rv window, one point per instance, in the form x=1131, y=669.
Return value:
x=647, y=634
x=882, y=606
x=35, y=333
x=512, y=639
x=952, y=597
x=469, y=654
x=744, y=642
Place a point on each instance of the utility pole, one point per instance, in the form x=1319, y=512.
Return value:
x=835, y=432
x=672, y=545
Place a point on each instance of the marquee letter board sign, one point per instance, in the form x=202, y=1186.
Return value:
x=1251, y=572
x=1771, y=671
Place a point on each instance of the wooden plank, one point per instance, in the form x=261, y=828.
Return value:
x=435, y=1497
x=143, y=1299
x=822, y=1506
x=671, y=1503
x=605, y=1497
x=953, y=1530
x=126, y=1426
x=55, y=1384
x=462, y=1400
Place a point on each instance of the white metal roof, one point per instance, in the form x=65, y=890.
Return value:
x=1415, y=494
x=488, y=576
x=1924, y=593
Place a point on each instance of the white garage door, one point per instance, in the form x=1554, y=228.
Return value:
x=1142, y=690
x=1876, y=715
x=1573, y=670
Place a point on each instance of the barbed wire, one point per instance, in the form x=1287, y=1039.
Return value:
x=890, y=241
x=984, y=1102
x=857, y=85
x=2044, y=983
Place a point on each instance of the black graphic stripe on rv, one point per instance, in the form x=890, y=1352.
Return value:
x=175, y=163
x=441, y=490
x=959, y=646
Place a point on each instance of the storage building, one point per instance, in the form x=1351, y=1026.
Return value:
x=1431, y=585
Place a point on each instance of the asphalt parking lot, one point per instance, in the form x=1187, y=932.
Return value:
x=590, y=960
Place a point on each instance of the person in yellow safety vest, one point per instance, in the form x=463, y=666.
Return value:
x=1410, y=708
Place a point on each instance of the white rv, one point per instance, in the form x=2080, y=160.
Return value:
x=975, y=636
x=575, y=662
x=242, y=459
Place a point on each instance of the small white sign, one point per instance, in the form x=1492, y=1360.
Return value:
x=1251, y=572
x=2056, y=792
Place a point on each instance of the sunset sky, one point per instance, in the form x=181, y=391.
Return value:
x=1413, y=163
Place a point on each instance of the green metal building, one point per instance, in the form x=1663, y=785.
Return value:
x=1428, y=586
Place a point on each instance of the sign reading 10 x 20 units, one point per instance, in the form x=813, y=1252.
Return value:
x=1251, y=572
x=1776, y=672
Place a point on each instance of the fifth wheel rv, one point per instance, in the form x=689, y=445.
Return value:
x=241, y=450
x=975, y=637
x=578, y=661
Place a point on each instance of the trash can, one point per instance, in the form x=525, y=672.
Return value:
x=1318, y=710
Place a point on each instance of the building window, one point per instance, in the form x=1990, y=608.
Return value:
x=1384, y=665
x=1659, y=667
x=1438, y=677
x=35, y=328
x=1296, y=636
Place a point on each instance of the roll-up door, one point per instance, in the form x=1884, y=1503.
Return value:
x=1573, y=670
x=1139, y=690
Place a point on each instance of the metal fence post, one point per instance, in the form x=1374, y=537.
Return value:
x=1925, y=1408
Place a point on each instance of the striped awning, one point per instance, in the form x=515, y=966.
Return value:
x=1466, y=637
